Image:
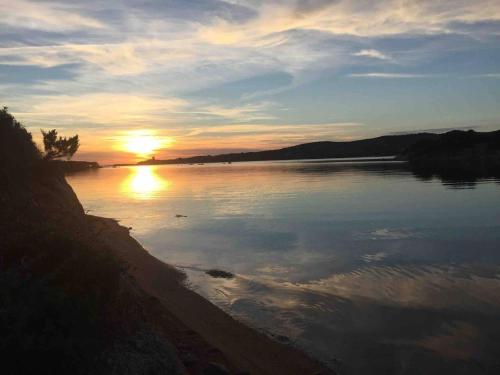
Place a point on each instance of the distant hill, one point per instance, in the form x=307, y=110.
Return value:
x=456, y=144
x=389, y=145
x=456, y=154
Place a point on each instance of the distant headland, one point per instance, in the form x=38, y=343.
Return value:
x=71, y=166
x=417, y=148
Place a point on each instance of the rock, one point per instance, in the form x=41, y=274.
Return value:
x=220, y=273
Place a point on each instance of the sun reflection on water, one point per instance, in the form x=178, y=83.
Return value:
x=144, y=183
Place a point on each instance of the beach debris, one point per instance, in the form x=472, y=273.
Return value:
x=179, y=215
x=219, y=273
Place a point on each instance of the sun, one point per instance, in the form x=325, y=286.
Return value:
x=144, y=143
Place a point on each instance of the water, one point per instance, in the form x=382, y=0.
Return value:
x=367, y=266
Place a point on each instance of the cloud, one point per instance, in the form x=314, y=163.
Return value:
x=127, y=58
x=45, y=16
x=103, y=109
x=234, y=41
x=373, y=53
x=388, y=75
x=487, y=75
x=124, y=111
x=267, y=135
x=244, y=113
x=348, y=17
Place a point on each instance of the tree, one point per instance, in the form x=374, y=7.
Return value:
x=58, y=147
x=17, y=148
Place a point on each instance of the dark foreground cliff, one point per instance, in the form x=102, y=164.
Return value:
x=78, y=295
x=67, y=302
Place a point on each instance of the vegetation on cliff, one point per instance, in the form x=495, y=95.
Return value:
x=59, y=147
x=66, y=303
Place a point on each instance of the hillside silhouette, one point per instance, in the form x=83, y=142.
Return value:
x=456, y=156
x=460, y=149
x=389, y=145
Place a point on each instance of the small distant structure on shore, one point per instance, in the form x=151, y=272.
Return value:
x=150, y=161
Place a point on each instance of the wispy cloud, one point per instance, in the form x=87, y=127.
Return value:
x=46, y=16
x=126, y=58
x=261, y=136
x=389, y=17
x=103, y=109
x=124, y=111
x=388, y=75
x=244, y=113
x=486, y=75
x=373, y=53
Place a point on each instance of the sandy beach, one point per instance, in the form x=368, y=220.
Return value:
x=201, y=333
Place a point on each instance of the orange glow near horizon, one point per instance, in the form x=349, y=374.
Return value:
x=123, y=146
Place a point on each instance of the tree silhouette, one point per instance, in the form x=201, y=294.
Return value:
x=16, y=144
x=58, y=147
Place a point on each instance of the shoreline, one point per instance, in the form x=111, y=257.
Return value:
x=200, y=331
x=361, y=159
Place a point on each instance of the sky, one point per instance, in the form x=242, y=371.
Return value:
x=189, y=77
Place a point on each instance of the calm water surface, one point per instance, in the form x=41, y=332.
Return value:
x=364, y=265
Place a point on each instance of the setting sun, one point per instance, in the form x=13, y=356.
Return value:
x=144, y=143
